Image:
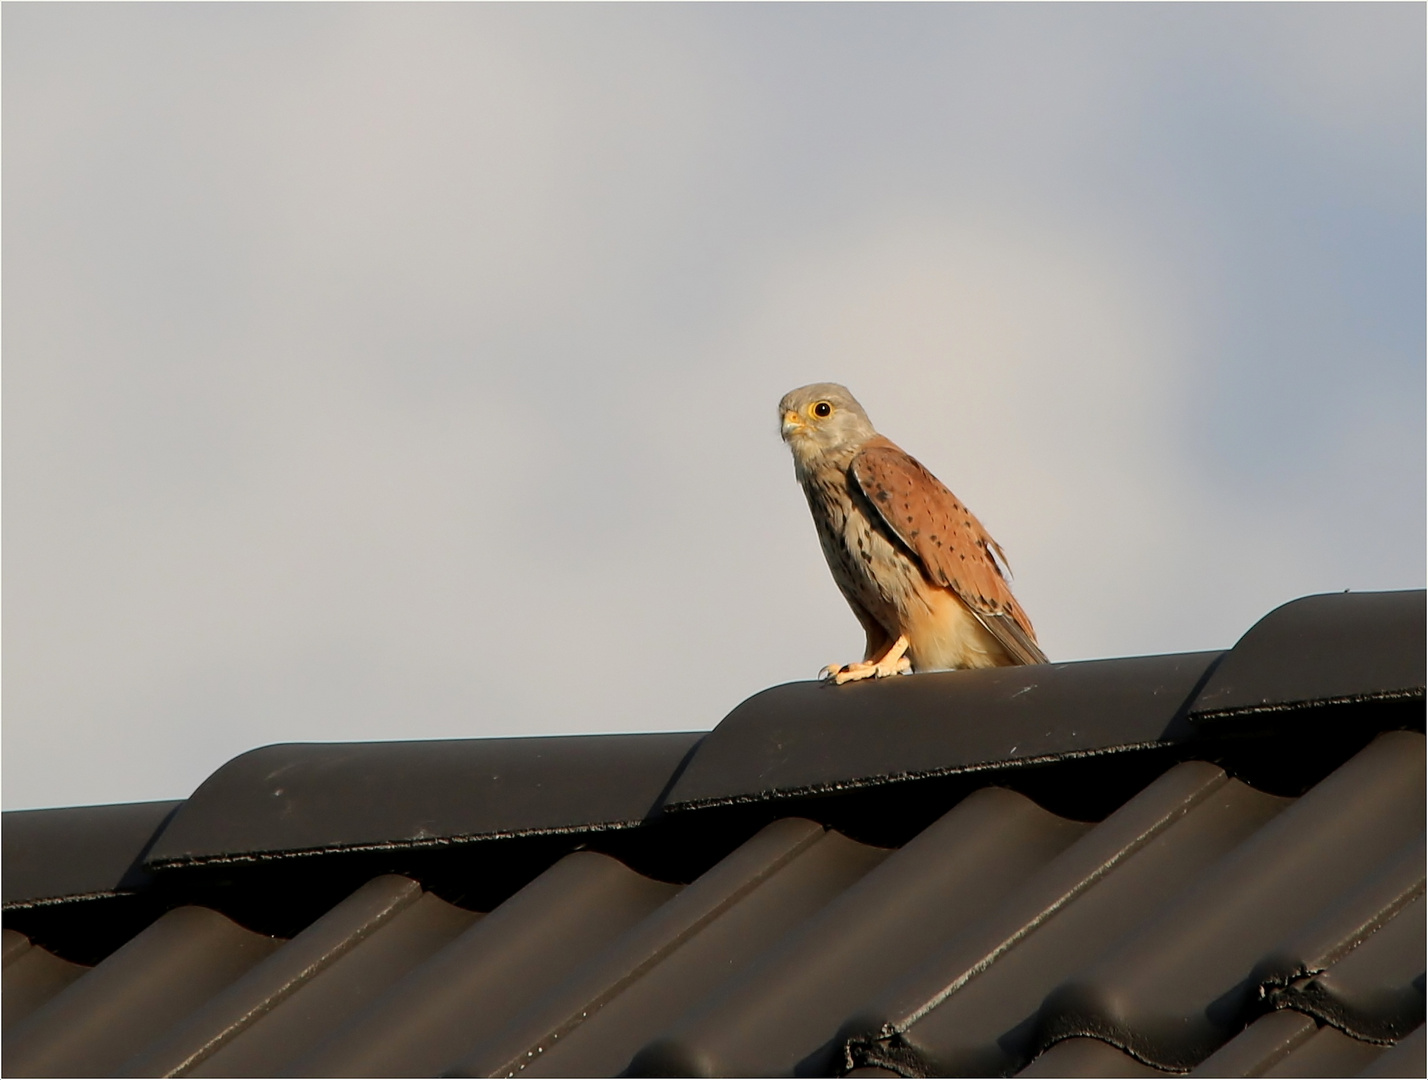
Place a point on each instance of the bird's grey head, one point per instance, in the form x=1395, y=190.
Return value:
x=821, y=420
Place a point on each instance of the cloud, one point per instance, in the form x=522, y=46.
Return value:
x=407, y=372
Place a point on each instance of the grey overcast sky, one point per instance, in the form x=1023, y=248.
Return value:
x=392, y=372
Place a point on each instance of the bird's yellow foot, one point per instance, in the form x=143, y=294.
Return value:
x=892, y=662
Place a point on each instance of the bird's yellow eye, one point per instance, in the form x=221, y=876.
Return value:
x=821, y=410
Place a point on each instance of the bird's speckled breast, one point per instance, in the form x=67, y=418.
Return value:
x=869, y=566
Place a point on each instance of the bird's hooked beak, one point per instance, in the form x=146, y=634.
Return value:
x=792, y=423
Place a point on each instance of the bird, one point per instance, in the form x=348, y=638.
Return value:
x=924, y=578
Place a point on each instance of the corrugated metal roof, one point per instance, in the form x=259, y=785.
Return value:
x=998, y=931
x=1248, y=906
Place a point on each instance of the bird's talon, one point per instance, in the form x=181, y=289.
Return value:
x=853, y=672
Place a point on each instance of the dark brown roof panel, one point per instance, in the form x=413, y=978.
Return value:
x=1291, y=1045
x=482, y=980
x=970, y=1009
x=276, y=978
x=1260, y=1046
x=1082, y=1056
x=135, y=996
x=1327, y=1052
x=1318, y=650
x=296, y=798
x=812, y=737
x=594, y=999
x=767, y=962
x=1153, y=994
x=344, y=989
x=1288, y=1043
x=601, y=1039
x=784, y=1011
x=77, y=851
x=1343, y=927
x=1375, y=992
x=31, y=977
x=1409, y=1057
x=15, y=944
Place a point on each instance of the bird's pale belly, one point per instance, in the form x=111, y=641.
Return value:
x=949, y=636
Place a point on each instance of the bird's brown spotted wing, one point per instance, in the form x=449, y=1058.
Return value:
x=953, y=547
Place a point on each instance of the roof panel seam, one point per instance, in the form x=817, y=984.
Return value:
x=67, y=898
x=1407, y=694
x=424, y=842
x=891, y=778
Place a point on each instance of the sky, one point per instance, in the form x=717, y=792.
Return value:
x=410, y=371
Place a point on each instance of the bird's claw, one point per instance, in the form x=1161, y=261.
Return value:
x=846, y=673
x=839, y=674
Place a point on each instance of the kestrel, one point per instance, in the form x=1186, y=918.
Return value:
x=919, y=571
